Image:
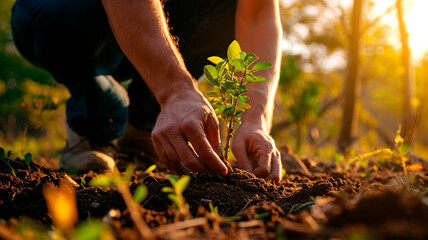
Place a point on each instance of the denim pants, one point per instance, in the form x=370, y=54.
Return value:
x=73, y=41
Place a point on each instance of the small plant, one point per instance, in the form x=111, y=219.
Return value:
x=121, y=183
x=7, y=157
x=230, y=78
x=175, y=193
x=397, y=155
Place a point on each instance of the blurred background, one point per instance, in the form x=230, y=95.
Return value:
x=353, y=71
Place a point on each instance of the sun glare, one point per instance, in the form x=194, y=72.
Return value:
x=416, y=19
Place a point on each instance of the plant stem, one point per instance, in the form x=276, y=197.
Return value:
x=230, y=126
x=142, y=227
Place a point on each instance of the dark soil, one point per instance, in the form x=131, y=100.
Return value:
x=324, y=204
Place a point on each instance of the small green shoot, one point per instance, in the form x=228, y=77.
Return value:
x=28, y=158
x=140, y=193
x=82, y=182
x=230, y=79
x=213, y=209
x=262, y=215
x=397, y=155
x=6, y=158
x=175, y=193
x=151, y=168
x=121, y=183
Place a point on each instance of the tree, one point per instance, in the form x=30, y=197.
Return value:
x=351, y=91
x=409, y=85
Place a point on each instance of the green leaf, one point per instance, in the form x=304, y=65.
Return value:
x=182, y=183
x=167, y=190
x=151, y=168
x=211, y=74
x=233, y=51
x=140, y=193
x=405, y=148
x=128, y=173
x=216, y=60
x=243, y=55
x=262, y=215
x=243, y=106
x=261, y=66
x=249, y=59
x=234, y=218
x=243, y=98
x=214, y=100
x=229, y=85
x=173, y=179
x=2, y=152
x=242, y=87
x=220, y=69
x=174, y=198
x=238, y=64
x=102, y=181
x=213, y=93
x=9, y=153
x=228, y=110
x=257, y=79
x=28, y=157
x=92, y=229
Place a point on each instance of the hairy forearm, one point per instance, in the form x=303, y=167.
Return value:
x=258, y=30
x=142, y=33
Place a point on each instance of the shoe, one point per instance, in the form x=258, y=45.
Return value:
x=137, y=147
x=82, y=155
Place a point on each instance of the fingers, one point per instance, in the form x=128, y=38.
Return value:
x=186, y=155
x=275, y=174
x=194, y=132
x=240, y=152
x=263, y=164
x=213, y=135
x=255, y=151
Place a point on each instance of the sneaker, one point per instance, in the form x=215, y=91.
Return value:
x=82, y=155
x=136, y=146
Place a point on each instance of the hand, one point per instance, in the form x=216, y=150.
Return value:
x=255, y=152
x=188, y=117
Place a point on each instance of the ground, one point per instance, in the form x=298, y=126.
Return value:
x=327, y=202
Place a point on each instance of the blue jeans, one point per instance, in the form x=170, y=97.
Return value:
x=73, y=41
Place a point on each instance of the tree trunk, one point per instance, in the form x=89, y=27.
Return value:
x=352, y=90
x=409, y=88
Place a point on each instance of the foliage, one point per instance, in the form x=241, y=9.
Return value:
x=230, y=78
x=9, y=156
x=398, y=155
x=175, y=193
x=121, y=183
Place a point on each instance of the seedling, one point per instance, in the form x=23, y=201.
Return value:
x=175, y=193
x=230, y=79
x=151, y=168
x=121, y=183
x=6, y=158
x=397, y=155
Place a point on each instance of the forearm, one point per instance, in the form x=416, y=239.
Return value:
x=142, y=33
x=259, y=31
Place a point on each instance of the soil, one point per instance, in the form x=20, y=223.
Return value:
x=322, y=203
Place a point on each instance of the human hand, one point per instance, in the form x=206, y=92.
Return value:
x=188, y=117
x=256, y=152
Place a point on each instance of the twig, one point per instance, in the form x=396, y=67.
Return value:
x=179, y=226
x=142, y=227
x=378, y=18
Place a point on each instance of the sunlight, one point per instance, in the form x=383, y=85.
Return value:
x=415, y=16
x=417, y=19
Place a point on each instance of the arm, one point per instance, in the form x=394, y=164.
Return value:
x=258, y=30
x=142, y=33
